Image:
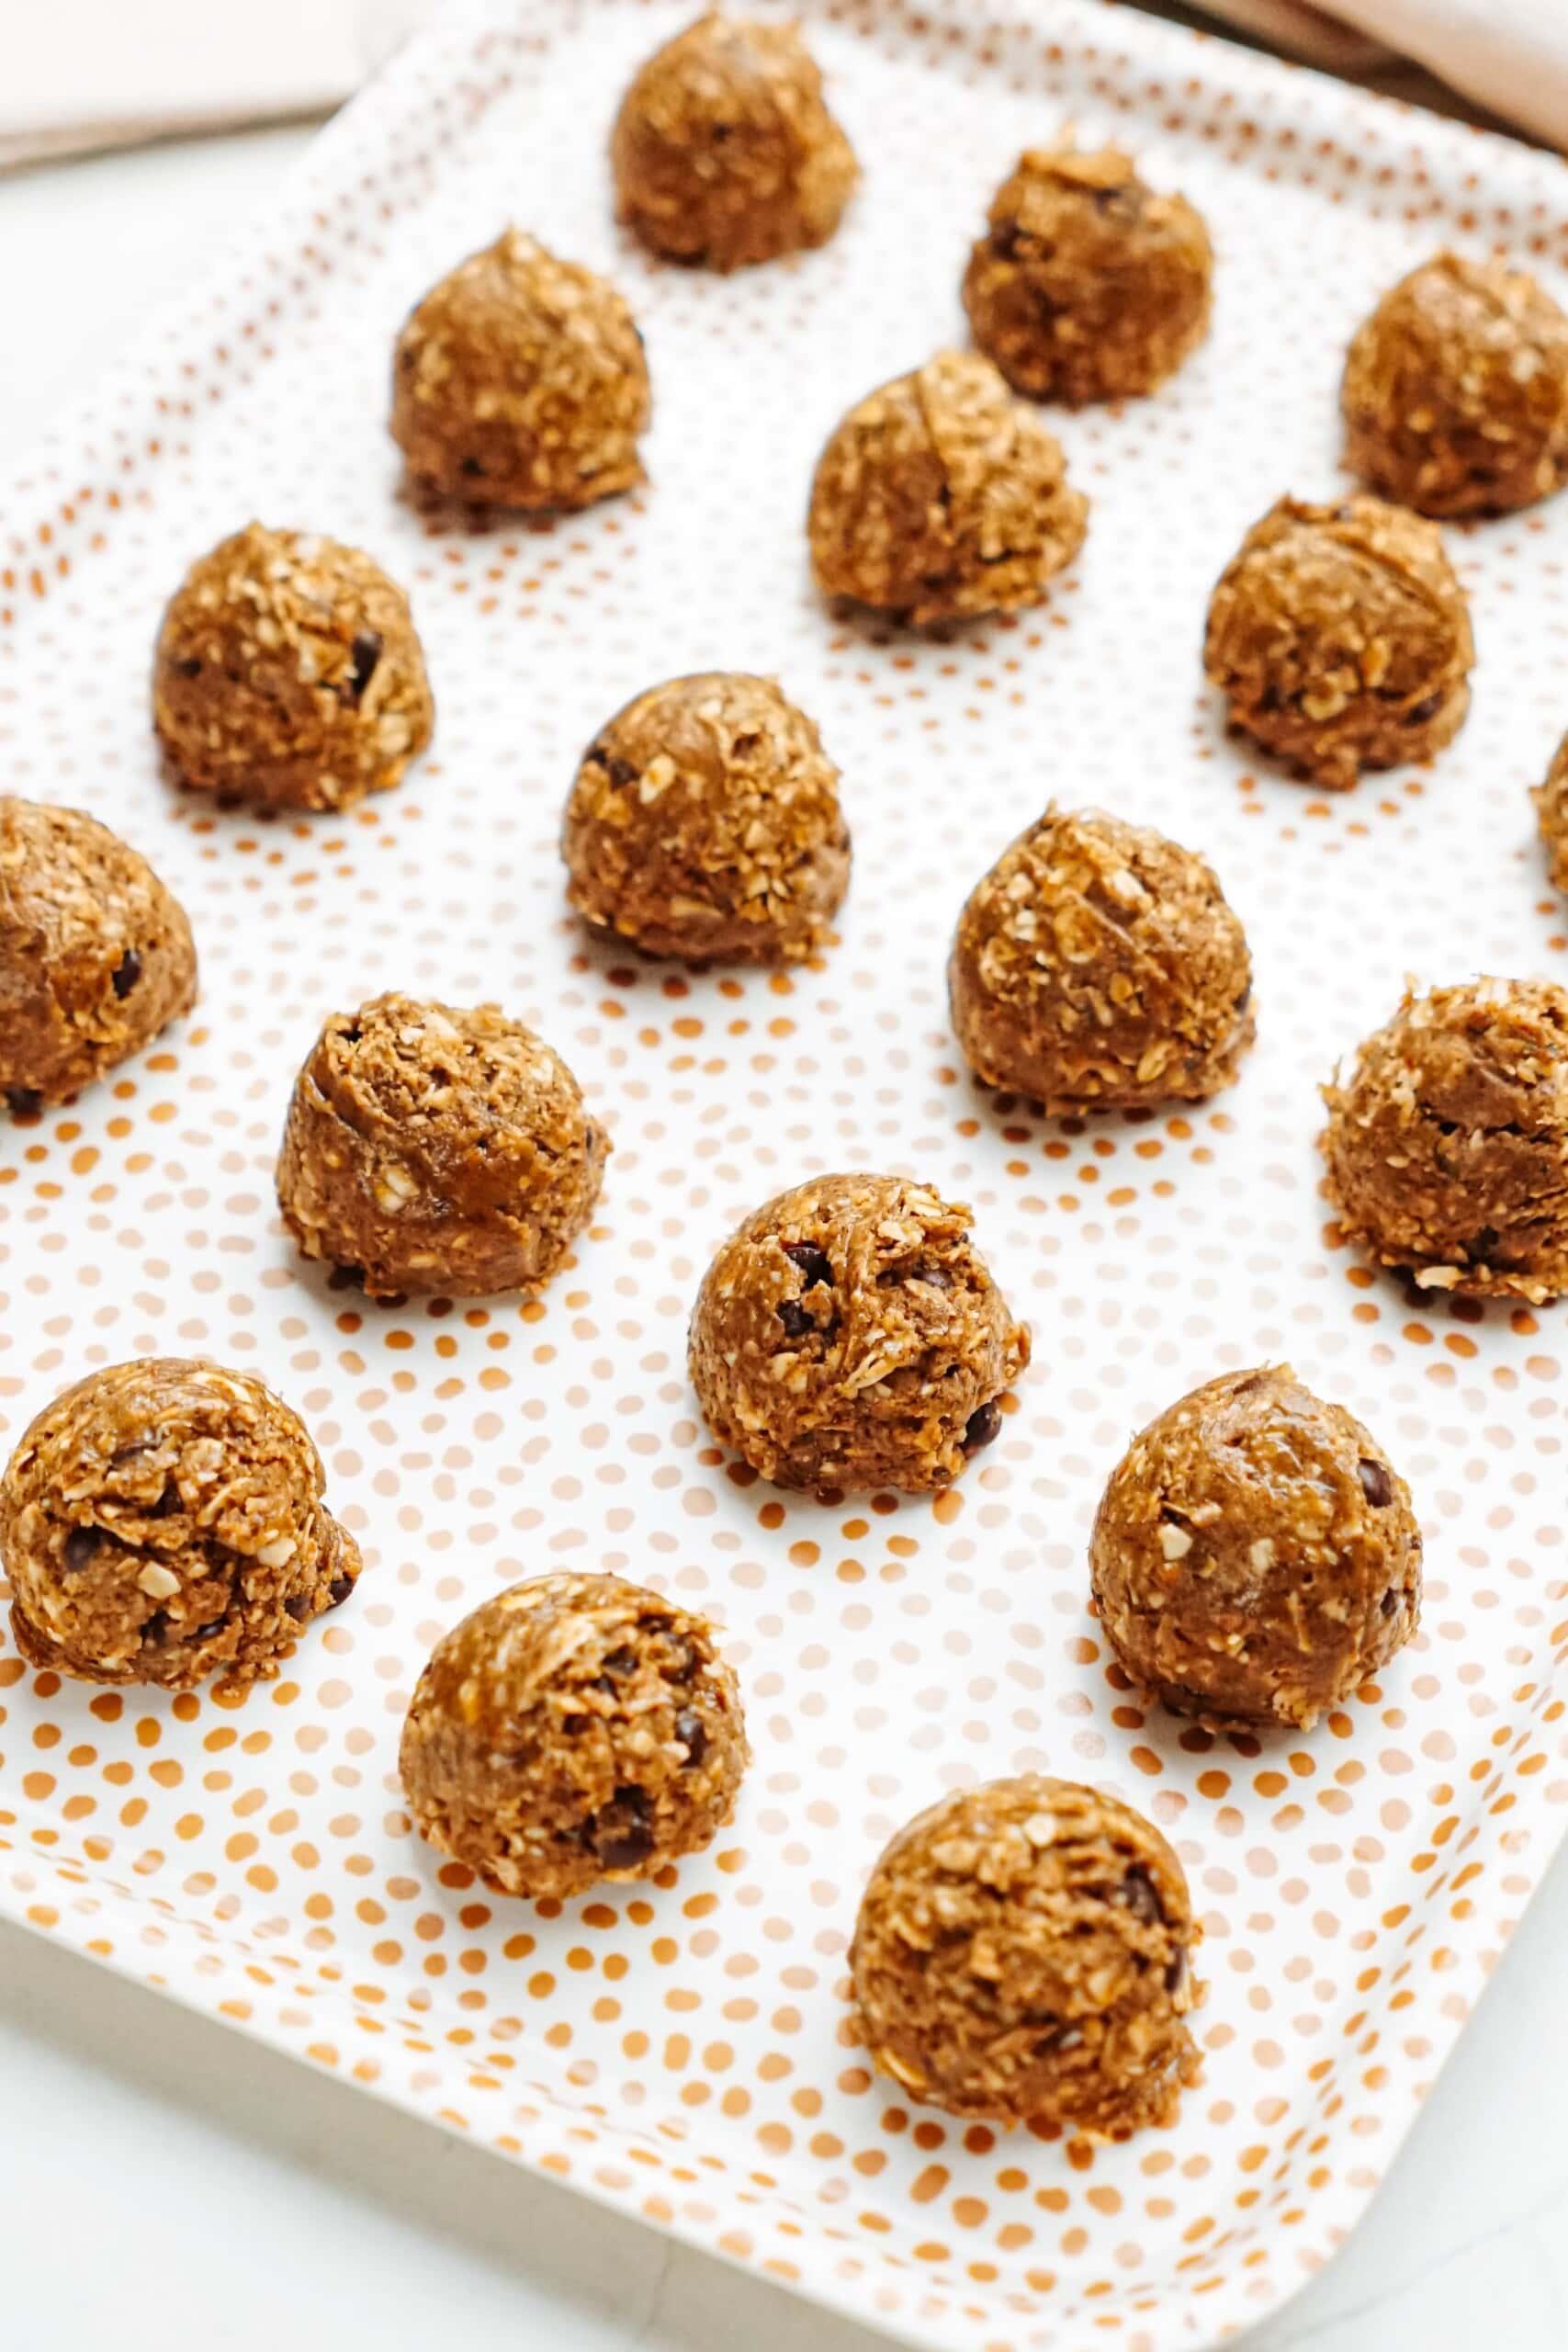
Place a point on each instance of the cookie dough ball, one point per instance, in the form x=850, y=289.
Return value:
x=1023, y=1953
x=163, y=1521
x=849, y=1335
x=1455, y=394
x=1086, y=286
x=704, y=822
x=1097, y=965
x=95, y=955
x=520, y=381
x=940, y=496
x=431, y=1148
x=289, y=674
x=1551, y=815
x=1446, y=1141
x=1255, y=1556
x=574, y=1728
x=1340, y=638
x=724, y=152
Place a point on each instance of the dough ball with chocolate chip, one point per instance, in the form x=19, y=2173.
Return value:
x=574, y=1728
x=289, y=674
x=724, y=151
x=940, y=496
x=1023, y=1953
x=1551, y=799
x=1340, y=638
x=1098, y=965
x=849, y=1335
x=431, y=1148
x=1447, y=1140
x=95, y=955
x=1255, y=1556
x=704, y=822
x=161, y=1521
x=520, y=381
x=1086, y=286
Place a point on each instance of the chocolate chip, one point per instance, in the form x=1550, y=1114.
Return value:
x=156, y=1628
x=80, y=1546
x=169, y=1504
x=794, y=1318
x=814, y=1264
x=983, y=1425
x=205, y=1632
x=1176, y=1974
x=1376, y=1484
x=1141, y=1896
x=622, y=1833
x=620, y=771
x=469, y=466
x=684, y=1663
x=1417, y=715
x=126, y=972
x=1389, y=1604
x=364, y=652
x=1007, y=240
x=339, y=1590
x=298, y=1606
x=190, y=666
x=24, y=1100
x=692, y=1736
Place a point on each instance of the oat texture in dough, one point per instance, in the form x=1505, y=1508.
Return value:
x=940, y=496
x=1255, y=1555
x=1098, y=965
x=95, y=955
x=161, y=1521
x=724, y=151
x=704, y=822
x=1023, y=1953
x=849, y=1335
x=437, y=1150
x=572, y=1729
x=1551, y=815
x=1086, y=286
x=520, y=381
x=1455, y=393
x=289, y=674
x=1447, y=1140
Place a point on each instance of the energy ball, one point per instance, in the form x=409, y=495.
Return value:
x=849, y=1335
x=1098, y=965
x=940, y=496
x=724, y=152
x=1086, y=286
x=161, y=1521
x=704, y=822
x=289, y=674
x=1255, y=1556
x=520, y=381
x=1552, y=814
x=431, y=1148
x=1340, y=638
x=1455, y=393
x=1446, y=1141
x=1023, y=1953
x=574, y=1728
x=95, y=955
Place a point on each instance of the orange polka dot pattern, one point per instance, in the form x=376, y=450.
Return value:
x=681, y=2049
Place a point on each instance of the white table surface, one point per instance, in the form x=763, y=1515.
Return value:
x=164, y=2184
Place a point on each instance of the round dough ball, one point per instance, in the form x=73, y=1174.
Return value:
x=1340, y=638
x=1023, y=1953
x=940, y=496
x=95, y=955
x=1552, y=814
x=704, y=822
x=724, y=152
x=1455, y=394
x=1447, y=1142
x=574, y=1728
x=1086, y=286
x=289, y=674
x=520, y=381
x=1255, y=1556
x=849, y=1335
x=431, y=1148
x=1098, y=965
x=163, y=1521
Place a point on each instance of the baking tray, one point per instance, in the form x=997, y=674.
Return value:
x=680, y=2050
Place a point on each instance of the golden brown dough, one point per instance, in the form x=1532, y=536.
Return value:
x=1551, y=799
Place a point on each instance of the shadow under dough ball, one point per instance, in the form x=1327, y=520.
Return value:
x=724, y=151
x=437, y=1150
x=573, y=1728
x=1086, y=285
x=1023, y=1953
x=1098, y=966
x=289, y=674
x=161, y=1521
x=1255, y=1556
x=1550, y=797
x=849, y=1335
x=96, y=953
x=704, y=822
x=1447, y=1140
x=520, y=381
